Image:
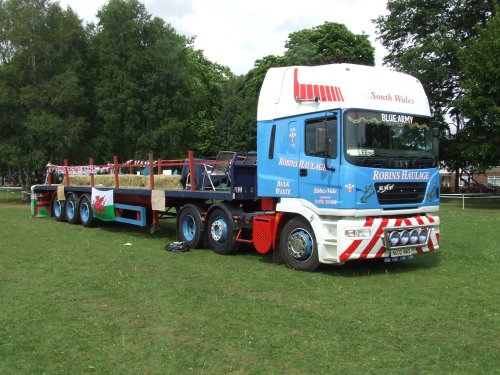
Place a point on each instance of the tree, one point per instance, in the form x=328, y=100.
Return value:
x=153, y=89
x=480, y=103
x=42, y=101
x=134, y=89
x=426, y=39
x=210, y=81
x=326, y=44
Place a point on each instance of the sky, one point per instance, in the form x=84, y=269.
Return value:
x=236, y=33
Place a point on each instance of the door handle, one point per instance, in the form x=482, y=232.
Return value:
x=302, y=172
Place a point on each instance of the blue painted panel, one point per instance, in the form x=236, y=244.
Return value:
x=277, y=169
x=142, y=213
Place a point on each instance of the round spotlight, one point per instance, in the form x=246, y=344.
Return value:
x=404, y=237
x=413, y=236
x=394, y=238
x=422, y=236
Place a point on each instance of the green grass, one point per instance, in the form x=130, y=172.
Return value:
x=79, y=301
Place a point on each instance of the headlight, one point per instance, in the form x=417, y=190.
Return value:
x=404, y=238
x=413, y=236
x=423, y=235
x=394, y=238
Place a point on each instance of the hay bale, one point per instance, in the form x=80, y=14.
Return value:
x=166, y=182
x=162, y=182
x=131, y=181
x=104, y=180
x=78, y=180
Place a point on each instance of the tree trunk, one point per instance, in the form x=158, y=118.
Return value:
x=25, y=182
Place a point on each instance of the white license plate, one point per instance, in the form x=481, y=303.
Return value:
x=402, y=252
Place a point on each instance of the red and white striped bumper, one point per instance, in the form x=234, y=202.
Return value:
x=374, y=245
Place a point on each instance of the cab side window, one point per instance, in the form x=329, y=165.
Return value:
x=321, y=137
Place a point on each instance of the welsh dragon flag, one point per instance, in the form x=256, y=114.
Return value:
x=103, y=204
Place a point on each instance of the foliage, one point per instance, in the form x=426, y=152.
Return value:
x=480, y=103
x=211, y=80
x=427, y=39
x=326, y=44
x=142, y=83
x=127, y=86
x=42, y=100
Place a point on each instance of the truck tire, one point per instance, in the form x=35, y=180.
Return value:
x=85, y=212
x=71, y=209
x=190, y=226
x=58, y=209
x=220, y=232
x=298, y=246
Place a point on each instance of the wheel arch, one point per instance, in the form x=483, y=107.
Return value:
x=292, y=208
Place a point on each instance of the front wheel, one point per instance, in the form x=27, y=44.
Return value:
x=298, y=245
x=221, y=234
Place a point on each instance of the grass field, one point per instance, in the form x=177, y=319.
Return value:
x=110, y=300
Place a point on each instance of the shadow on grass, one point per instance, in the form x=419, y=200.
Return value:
x=166, y=230
x=379, y=267
x=246, y=252
x=359, y=268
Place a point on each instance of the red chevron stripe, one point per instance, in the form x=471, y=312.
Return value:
x=380, y=252
x=419, y=220
x=374, y=239
x=430, y=245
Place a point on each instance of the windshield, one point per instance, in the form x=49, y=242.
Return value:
x=391, y=139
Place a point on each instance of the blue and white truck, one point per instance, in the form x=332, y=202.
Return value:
x=345, y=169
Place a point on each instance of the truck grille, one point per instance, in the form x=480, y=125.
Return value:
x=400, y=192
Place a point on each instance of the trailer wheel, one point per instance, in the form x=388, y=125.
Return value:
x=85, y=212
x=71, y=209
x=221, y=234
x=298, y=245
x=190, y=226
x=58, y=209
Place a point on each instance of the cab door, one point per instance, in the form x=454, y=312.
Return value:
x=319, y=160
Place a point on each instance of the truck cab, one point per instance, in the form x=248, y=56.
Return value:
x=349, y=151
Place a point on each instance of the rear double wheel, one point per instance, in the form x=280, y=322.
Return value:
x=190, y=226
x=85, y=213
x=58, y=209
x=298, y=246
x=71, y=209
x=221, y=232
